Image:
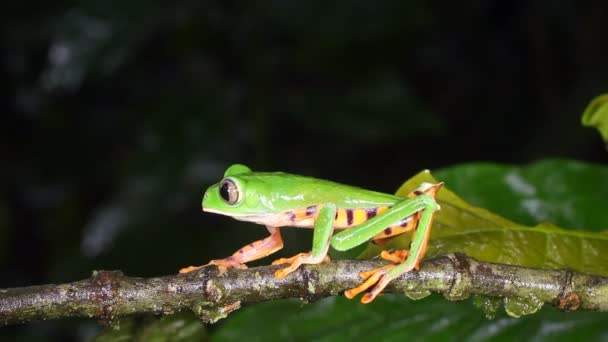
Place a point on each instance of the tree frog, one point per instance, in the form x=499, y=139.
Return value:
x=277, y=199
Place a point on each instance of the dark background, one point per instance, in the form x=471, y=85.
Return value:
x=117, y=115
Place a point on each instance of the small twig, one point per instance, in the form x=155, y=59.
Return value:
x=211, y=294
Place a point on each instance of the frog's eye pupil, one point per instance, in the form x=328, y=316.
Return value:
x=229, y=192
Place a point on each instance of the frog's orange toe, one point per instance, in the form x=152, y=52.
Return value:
x=227, y=263
x=282, y=273
x=189, y=269
x=396, y=257
x=295, y=262
x=366, y=274
x=289, y=260
x=282, y=261
x=371, y=295
x=222, y=264
x=372, y=277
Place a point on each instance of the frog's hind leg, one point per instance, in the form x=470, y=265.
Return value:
x=253, y=251
x=382, y=276
x=421, y=211
x=408, y=224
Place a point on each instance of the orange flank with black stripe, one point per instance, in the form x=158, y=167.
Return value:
x=407, y=224
x=302, y=217
x=347, y=218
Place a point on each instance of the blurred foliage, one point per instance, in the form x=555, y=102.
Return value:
x=174, y=328
x=395, y=318
x=117, y=115
x=596, y=115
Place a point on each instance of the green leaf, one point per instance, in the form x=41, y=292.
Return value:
x=596, y=115
x=563, y=189
x=572, y=194
x=395, y=318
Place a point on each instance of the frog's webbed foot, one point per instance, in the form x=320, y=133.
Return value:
x=222, y=264
x=379, y=277
x=295, y=262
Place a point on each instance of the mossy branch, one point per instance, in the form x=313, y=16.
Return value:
x=212, y=295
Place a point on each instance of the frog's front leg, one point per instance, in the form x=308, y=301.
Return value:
x=253, y=251
x=324, y=227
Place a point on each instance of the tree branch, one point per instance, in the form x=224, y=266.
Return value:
x=212, y=295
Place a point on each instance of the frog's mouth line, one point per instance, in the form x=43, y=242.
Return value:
x=265, y=219
x=225, y=213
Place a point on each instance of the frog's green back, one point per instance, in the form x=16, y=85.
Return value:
x=274, y=192
x=292, y=191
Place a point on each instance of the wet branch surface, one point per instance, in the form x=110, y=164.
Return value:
x=212, y=294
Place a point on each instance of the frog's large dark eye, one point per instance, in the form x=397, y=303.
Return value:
x=229, y=191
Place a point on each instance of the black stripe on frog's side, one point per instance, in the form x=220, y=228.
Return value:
x=291, y=216
x=349, y=217
x=311, y=210
x=371, y=212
